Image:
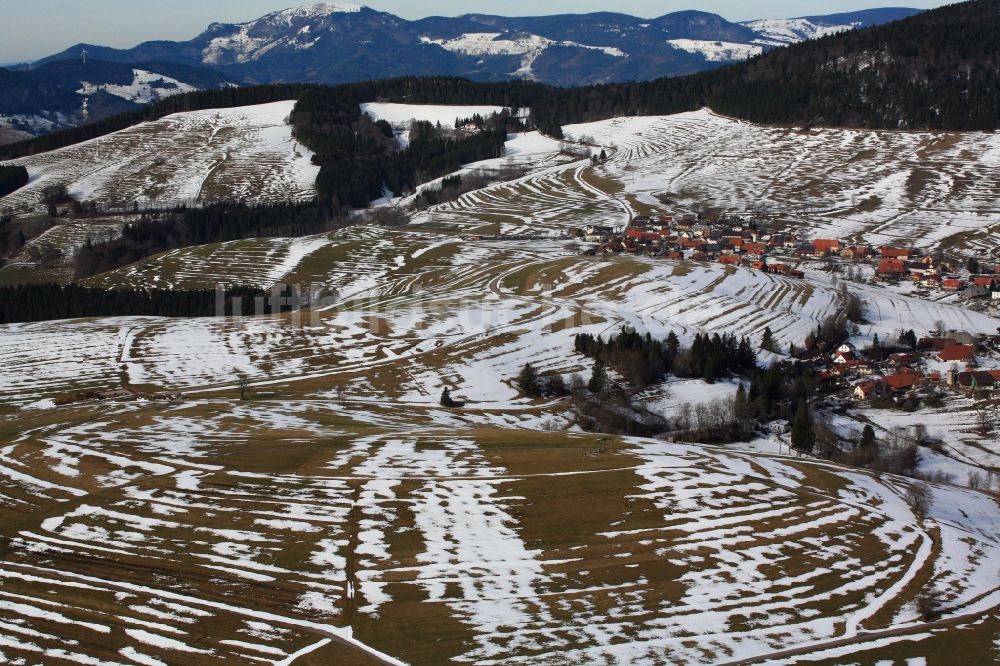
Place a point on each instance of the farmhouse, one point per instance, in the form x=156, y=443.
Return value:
x=826, y=245
x=957, y=354
x=867, y=389
x=891, y=269
x=855, y=252
x=976, y=291
x=889, y=252
x=902, y=382
x=951, y=284
x=976, y=380
x=932, y=344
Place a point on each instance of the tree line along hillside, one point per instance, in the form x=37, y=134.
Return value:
x=186, y=227
x=48, y=301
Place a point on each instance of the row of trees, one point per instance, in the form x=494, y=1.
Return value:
x=48, y=301
x=185, y=227
x=643, y=361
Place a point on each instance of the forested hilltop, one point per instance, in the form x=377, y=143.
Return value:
x=937, y=70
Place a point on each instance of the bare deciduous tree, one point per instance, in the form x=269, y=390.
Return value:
x=242, y=383
x=919, y=498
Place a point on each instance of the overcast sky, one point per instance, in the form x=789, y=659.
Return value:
x=31, y=29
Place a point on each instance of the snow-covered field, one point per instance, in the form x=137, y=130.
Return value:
x=535, y=553
x=243, y=153
x=341, y=506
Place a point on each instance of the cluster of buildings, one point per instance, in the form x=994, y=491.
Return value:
x=737, y=241
x=935, y=272
x=745, y=241
x=947, y=361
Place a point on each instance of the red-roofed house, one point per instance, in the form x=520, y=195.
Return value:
x=889, y=252
x=951, y=284
x=891, y=268
x=824, y=245
x=957, y=354
x=902, y=382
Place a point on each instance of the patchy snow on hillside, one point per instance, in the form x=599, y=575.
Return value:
x=717, y=51
x=245, y=153
x=146, y=87
x=529, y=47
x=495, y=43
x=781, y=32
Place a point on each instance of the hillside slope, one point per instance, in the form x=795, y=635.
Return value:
x=247, y=153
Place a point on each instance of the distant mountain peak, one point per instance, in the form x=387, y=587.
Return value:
x=322, y=9
x=336, y=42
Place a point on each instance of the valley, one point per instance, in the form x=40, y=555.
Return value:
x=289, y=488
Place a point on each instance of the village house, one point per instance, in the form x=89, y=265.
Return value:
x=778, y=427
x=855, y=252
x=901, y=382
x=889, y=252
x=841, y=357
x=891, y=269
x=957, y=354
x=975, y=380
x=951, y=284
x=976, y=291
x=934, y=344
x=902, y=360
x=865, y=390
x=826, y=246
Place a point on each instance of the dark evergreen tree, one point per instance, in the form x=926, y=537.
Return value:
x=598, y=378
x=803, y=434
x=527, y=382
x=867, y=442
x=767, y=341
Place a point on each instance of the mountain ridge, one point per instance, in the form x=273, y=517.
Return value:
x=344, y=42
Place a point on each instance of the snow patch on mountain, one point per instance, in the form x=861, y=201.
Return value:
x=782, y=32
x=247, y=42
x=495, y=43
x=320, y=9
x=717, y=51
x=146, y=87
x=530, y=47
